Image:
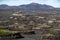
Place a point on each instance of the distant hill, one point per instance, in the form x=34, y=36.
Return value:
x=31, y=6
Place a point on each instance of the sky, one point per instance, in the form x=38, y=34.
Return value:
x=54, y=3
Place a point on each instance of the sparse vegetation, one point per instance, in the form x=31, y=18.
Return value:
x=47, y=24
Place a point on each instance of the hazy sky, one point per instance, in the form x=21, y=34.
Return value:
x=55, y=3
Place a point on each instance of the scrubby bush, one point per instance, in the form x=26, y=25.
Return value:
x=2, y=32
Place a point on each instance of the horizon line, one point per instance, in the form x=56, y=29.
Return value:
x=29, y=3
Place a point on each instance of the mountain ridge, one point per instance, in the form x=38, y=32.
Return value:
x=31, y=6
